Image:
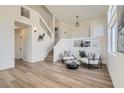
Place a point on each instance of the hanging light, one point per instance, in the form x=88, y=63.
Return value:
x=77, y=23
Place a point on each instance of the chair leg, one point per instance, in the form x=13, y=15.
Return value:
x=62, y=61
x=97, y=66
x=100, y=65
x=89, y=66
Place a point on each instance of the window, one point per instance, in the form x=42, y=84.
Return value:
x=114, y=37
x=25, y=12
x=111, y=12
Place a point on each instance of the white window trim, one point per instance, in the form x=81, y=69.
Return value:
x=115, y=33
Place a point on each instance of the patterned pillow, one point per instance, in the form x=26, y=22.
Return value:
x=91, y=56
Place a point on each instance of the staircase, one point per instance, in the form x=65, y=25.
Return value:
x=49, y=57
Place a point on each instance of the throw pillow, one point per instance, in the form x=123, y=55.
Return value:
x=82, y=54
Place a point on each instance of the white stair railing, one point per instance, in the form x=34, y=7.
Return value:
x=45, y=27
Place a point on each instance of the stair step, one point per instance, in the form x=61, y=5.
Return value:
x=48, y=59
x=49, y=56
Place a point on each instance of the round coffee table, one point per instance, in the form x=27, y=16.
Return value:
x=72, y=65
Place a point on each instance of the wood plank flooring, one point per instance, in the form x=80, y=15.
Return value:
x=53, y=75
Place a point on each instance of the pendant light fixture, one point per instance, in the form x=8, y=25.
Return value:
x=77, y=23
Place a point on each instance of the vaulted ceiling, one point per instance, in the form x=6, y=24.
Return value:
x=67, y=13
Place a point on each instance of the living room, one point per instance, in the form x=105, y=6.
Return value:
x=80, y=39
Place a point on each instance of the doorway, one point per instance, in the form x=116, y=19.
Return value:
x=19, y=44
x=21, y=31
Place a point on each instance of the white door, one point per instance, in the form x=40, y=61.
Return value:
x=18, y=44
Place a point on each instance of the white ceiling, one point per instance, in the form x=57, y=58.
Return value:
x=68, y=13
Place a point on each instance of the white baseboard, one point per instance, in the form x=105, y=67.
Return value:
x=7, y=67
x=33, y=61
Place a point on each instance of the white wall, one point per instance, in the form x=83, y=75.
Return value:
x=40, y=49
x=68, y=45
x=98, y=28
x=74, y=32
x=46, y=14
x=115, y=66
x=27, y=41
x=115, y=61
x=6, y=38
x=37, y=51
x=65, y=30
x=61, y=46
x=88, y=29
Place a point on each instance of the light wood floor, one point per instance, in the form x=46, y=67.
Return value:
x=48, y=74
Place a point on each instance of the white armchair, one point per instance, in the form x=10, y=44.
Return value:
x=67, y=56
x=93, y=60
